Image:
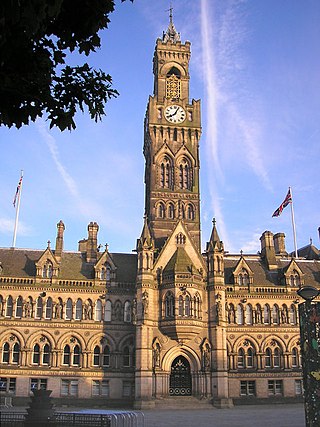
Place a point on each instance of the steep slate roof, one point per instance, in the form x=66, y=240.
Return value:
x=21, y=263
x=179, y=262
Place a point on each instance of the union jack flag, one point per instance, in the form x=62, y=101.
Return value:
x=285, y=203
x=17, y=192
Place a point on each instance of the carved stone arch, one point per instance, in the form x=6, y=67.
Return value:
x=192, y=357
x=272, y=340
x=293, y=343
x=5, y=336
x=32, y=339
x=126, y=340
x=164, y=70
x=246, y=341
x=99, y=339
x=65, y=339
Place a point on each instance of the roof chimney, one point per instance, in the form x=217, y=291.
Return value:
x=279, y=244
x=59, y=241
x=267, y=250
x=92, y=242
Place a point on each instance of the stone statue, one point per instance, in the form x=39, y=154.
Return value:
x=145, y=302
x=134, y=310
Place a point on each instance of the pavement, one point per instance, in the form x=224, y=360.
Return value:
x=279, y=415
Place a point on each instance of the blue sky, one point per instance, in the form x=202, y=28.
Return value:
x=255, y=65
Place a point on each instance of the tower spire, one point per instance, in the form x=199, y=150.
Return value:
x=171, y=33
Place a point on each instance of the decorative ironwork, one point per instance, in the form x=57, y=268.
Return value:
x=180, y=378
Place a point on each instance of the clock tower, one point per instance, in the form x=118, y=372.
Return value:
x=171, y=143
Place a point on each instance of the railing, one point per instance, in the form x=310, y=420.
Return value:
x=74, y=419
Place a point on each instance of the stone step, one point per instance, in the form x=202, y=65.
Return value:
x=183, y=402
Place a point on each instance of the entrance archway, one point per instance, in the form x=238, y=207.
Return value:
x=180, y=377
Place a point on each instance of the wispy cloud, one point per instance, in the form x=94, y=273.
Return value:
x=7, y=225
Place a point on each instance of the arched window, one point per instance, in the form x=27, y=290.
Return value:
x=293, y=315
x=106, y=356
x=173, y=84
x=171, y=211
x=103, y=273
x=266, y=314
x=169, y=305
x=9, y=306
x=107, y=311
x=19, y=304
x=239, y=314
x=76, y=355
x=49, y=308
x=243, y=277
x=39, y=309
x=66, y=355
x=187, y=306
x=185, y=174
x=15, y=353
x=6, y=353
x=241, y=358
x=69, y=309
x=161, y=210
x=275, y=315
x=181, y=306
x=127, y=311
x=248, y=314
x=250, y=358
x=46, y=354
x=78, y=309
x=276, y=358
x=108, y=272
x=36, y=354
x=166, y=173
x=96, y=356
x=268, y=358
x=47, y=270
x=294, y=357
x=190, y=212
x=295, y=279
x=98, y=310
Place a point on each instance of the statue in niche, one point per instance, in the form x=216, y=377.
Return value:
x=231, y=313
x=117, y=311
x=145, y=302
x=259, y=314
x=134, y=310
x=156, y=355
x=28, y=309
x=58, y=310
x=88, y=311
x=206, y=357
x=218, y=311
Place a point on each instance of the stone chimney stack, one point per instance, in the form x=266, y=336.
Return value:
x=279, y=244
x=268, y=251
x=59, y=240
x=92, y=242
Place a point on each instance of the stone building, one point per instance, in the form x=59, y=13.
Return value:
x=98, y=327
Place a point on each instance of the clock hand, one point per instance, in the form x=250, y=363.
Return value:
x=173, y=114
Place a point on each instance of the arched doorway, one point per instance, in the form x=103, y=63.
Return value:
x=180, y=377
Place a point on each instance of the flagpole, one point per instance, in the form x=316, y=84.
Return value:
x=17, y=213
x=293, y=225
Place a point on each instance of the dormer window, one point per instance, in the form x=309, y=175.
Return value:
x=47, y=270
x=295, y=279
x=243, y=277
x=105, y=273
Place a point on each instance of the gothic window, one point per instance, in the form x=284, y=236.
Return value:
x=46, y=354
x=295, y=357
x=180, y=239
x=169, y=305
x=47, y=270
x=106, y=356
x=275, y=315
x=185, y=174
x=171, y=211
x=268, y=358
x=273, y=356
x=190, y=212
x=36, y=354
x=98, y=310
x=15, y=353
x=161, y=210
x=293, y=315
x=96, y=356
x=240, y=314
x=5, y=353
x=9, y=306
x=243, y=278
x=78, y=309
x=248, y=314
x=76, y=355
x=295, y=279
x=266, y=314
x=181, y=306
x=250, y=358
x=276, y=357
x=39, y=308
x=241, y=358
x=69, y=309
x=166, y=173
x=187, y=306
x=126, y=357
x=173, y=84
x=175, y=134
x=19, y=303
x=127, y=311
x=49, y=308
x=66, y=355
x=107, y=311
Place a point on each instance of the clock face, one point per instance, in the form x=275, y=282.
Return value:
x=175, y=114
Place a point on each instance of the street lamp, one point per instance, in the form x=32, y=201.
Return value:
x=309, y=318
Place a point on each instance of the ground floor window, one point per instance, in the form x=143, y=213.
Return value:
x=100, y=388
x=298, y=387
x=69, y=388
x=8, y=385
x=247, y=388
x=275, y=387
x=38, y=383
x=128, y=389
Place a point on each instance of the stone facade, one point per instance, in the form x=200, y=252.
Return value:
x=97, y=327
